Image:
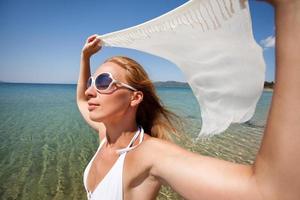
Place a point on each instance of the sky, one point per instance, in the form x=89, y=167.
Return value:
x=41, y=40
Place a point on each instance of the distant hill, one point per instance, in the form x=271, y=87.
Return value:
x=269, y=85
x=171, y=84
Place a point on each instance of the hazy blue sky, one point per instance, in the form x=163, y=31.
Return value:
x=41, y=40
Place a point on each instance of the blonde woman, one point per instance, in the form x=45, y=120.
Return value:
x=135, y=157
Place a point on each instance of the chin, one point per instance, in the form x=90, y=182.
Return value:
x=96, y=117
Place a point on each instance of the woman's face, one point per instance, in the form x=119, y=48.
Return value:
x=110, y=106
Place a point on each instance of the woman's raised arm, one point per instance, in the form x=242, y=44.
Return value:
x=275, y=173
x=92, y=45
x=278, y=160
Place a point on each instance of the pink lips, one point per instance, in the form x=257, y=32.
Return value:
x=92, y=106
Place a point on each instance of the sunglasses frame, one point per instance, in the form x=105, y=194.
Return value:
x=110, y=84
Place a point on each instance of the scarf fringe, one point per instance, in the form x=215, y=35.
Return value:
x=209, y=14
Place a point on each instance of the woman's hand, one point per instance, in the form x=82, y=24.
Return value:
x=92, y=45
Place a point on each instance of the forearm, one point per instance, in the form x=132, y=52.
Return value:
x=278, y=159
x=84, y=74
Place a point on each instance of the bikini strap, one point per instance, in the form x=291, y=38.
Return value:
x=139, y=132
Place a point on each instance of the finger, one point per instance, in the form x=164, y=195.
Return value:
x=91, y=38
x=96, y=42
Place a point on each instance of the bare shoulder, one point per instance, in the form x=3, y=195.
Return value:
x=149, y=142
x=149, y=148
x=154, y=149
x=156, y=145
x=162, y=146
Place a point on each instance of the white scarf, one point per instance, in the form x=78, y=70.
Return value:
x=211, y=41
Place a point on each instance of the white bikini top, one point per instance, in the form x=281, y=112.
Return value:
x=111, y=186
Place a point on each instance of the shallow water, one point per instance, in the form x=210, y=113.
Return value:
x=45, y=143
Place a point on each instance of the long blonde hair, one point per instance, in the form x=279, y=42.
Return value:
x=152, y=115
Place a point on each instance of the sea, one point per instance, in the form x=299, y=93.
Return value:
x=45, y=144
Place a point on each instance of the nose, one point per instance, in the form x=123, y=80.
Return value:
x=90, y=92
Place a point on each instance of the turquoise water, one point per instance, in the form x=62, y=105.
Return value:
x=45, y=143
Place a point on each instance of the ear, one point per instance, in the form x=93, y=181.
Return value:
x=136, y=98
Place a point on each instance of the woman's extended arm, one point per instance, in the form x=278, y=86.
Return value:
x=91, y=46
x=275, y=173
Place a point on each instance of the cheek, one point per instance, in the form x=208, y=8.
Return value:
x=117, y=102
x=111, y=105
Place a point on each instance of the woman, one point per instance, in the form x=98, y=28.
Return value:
x=114, y=104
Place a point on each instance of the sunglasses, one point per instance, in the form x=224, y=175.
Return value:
x=104, y=82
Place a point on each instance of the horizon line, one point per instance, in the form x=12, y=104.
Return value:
x=73, y=83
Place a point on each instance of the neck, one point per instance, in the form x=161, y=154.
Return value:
x=119, y=134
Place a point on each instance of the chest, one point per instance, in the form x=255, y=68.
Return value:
x=132, y=169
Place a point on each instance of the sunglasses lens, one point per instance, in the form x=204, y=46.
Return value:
x=103, y=81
